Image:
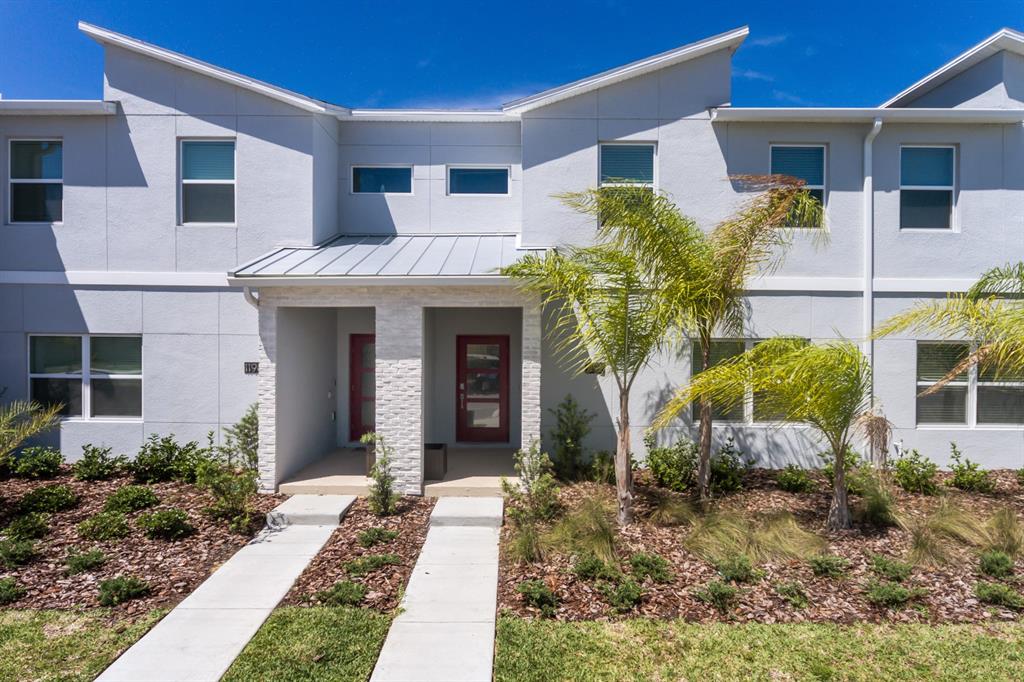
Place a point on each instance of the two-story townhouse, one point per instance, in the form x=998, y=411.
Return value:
x=198, y=241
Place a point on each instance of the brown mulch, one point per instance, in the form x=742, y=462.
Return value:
x=950, y=588
x=172, y=569
x=384, y=585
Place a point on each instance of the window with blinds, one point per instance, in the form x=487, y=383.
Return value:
x=208, y=181
x=1000, y=397
x=948, y=405
x=627, y=164
x=721, y=350
x=803, y=162
x=927, y=185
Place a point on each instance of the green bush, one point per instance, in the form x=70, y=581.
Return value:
x=650, y=566
x=10, y=591
x=877, y=504
x=17, y=552
x=241, y=441
x=794, y=593
x=383, y=499
x=623, y=594
x=163, y=459
x=890, y=569
x=373, y=536
x=107, y=525
x=232, y=490
x=590, y=567
x=537, y=594
x=536, y=496
x=892, y=595
x=602, y=467
x=828, y=565
x=80, y=562
x=370, y=562
x=97, y=464
x=856, y=470
x=38, y=463
x=131, y=498
x=737, y=568
x=31, y=526
x=166, y=524
x=968, y=475
x=998, y=594
x=727, y=469
x=916, y=473
x=121, y=589
x=48, y=498
x=674, y=466
x=719, y=594
x=794, y=479
x=572, y=424
x=1020, y=477
x=342, y=593
x=996, y=564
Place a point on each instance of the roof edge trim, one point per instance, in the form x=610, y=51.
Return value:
x=57, y=107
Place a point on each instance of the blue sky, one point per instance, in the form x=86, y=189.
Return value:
x=479, y=54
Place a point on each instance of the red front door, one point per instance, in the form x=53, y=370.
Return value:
x=481, y=395
x=362, y=380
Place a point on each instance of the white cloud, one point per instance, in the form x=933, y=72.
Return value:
x=481, y=100
x=790, y=98
x=751, y=75
x=768, y=41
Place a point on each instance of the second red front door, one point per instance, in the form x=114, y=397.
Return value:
x=481, y=389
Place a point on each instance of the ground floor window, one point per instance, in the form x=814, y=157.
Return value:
x=91, y=376
x=974, y=397
x=752, y=410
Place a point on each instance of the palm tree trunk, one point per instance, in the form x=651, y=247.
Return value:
x=839, y=511
x=623, y=468
x=704, y=463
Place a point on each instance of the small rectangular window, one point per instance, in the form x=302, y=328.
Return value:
x=91, y=376
x=627, y=164
x=927, y=186
x=115, y=376
x=208, y=181
x=36, y=181
x=804, y=162
x=721, y=350
x=1000, y=397
x=381, y=180
x=948, y=405
x=55, y=372
x=478, y=181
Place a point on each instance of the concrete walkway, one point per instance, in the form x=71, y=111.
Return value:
x=203, y=635
x=445, y=632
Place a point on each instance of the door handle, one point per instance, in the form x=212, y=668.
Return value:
x=462, y=401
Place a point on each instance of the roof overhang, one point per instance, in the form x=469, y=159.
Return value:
x=56, y=107
x=429, y=115
x=357, y=281
x=866, y=115
x=1004, y=39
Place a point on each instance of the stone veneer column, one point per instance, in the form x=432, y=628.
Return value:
x=399, y=386
x=266, y=389
x=531, y=408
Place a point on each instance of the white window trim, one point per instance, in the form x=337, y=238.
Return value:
x=477, y=166
x=629, y=143
x=182, y=181
x=86, y=377
x=954, y=223
x=352, y=179
x=17, y=181
x=824, y=176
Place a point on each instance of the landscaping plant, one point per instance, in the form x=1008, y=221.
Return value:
x=106, y=525
x=738, y=569
x=38, y=463
x=892, y=595
x=877, y=504
x=915, y=473
x=719, y=594
x=589, y=567
x=727, y=469
x=163, y=459
x=623, y=594
x=572, y=424
x=537, y=594
x=53, y=498
x=650, y=566
x=342, y=593
x=373, y=536
x=588, y=529
x=794, y=479
x=19, y=421
x=131, y=498
x=536, y=495
x=1005, y=532
x=996, y=564
x=166, y=524
x=14, y=552
x=370, y=562
x=602, y=467
x=669, y=510
x=968, y=475
x=794, y=593
x=233, y=490
x=31, y=526
x=674, y=466
x=118, y=590
x=10, y=591
x=241, y=441
x=829, y=565
x=998, y=594
x=97, y=464
x=80, y=562
x=382, y=498
x=890, y=569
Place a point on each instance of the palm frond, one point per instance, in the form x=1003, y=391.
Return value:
x=999, y=281
x=21, y=419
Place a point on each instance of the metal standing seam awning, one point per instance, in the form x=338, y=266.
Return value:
x=386, y=259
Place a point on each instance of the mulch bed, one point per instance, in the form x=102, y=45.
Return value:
x=384, y=585
x=950, y=596
x=172, y=569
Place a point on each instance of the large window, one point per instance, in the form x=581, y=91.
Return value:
x=382, y=179
x=208, y=181
x=721, y=350
x=91, y=376
x=477, y=180
x=36, y=190
x=627, y=164
x=804, y=162
x=996, y=398
x=927, y=187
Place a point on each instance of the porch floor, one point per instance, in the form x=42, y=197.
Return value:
x=472, y=472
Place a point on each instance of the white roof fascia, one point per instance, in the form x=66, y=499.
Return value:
x=728, y=40
x=440, y=115
x=854, y=115
x=108, y=37
x=368, y=280
x=56, y=107
x=1004, y=39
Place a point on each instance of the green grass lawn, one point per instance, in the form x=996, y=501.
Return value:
x=63, y=645
x=314, y=643
x=656, y=650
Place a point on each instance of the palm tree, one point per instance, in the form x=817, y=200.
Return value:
x=827, y=387
x=705, y=275
x=990, y=315
x=20, y=420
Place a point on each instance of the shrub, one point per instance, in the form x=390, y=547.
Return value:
x=536, y=496
x=794, y=479
x=996, y=564
x=674, y=466
x=382, y=498
x=48, y=498
x=998, y=594
x=856, y=470
x=892, y=595
x=602, y=467
x=38, y=463
x=80, y=562
x=131, y=498
x=890, y=569
x=829, y=565
x=342, y=593
x=1020, y=477
x=121, y=589
x=17, y=552
x=370, y=562
x=951, y=521
x=650, y=566
x=107, y=525
x=623, y=595
x=669, y=510
x=241, y=441
x=916, y=473
x=589, y=567
x=719, y=594
x=737, y=569
x=526, y=544
x=794, y=593
x=588, y=529
x=166, y=524
x=968, y=475
x=97, y=464
x=572, y=424
x=232, y=490
x=877, y=504
x=537, y=594
x=10, y=591
x=727, y=469
x=373, y=536
x=31, y=526
x=163, y=459
x=926, y=546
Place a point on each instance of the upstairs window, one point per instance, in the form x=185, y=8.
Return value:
x=382, y=180
x=948, y=405
x=91, y=376
x=804, y=162
x=36, y=181
x=477, y=180
x=627, y=164
x=927, y=185
x=208, y=181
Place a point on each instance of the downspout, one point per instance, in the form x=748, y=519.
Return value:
x=250, y=298
x=869, y=249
